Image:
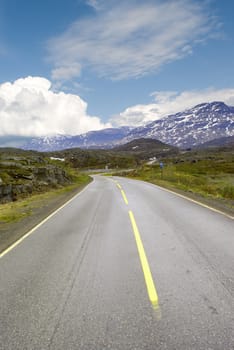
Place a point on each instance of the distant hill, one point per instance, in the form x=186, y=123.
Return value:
x=94, y=158
x=17, y=151
x=146, y=148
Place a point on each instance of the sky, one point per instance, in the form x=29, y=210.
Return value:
x=71, y=66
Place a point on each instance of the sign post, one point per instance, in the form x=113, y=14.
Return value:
x=161, y=167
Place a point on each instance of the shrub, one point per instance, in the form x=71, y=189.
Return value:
x=228, y=192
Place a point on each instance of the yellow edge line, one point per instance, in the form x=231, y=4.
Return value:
x=124, y=197
x=144, y=263
x=14, y=245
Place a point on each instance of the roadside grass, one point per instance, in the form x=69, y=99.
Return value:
x=15, y=211
x=209, y=178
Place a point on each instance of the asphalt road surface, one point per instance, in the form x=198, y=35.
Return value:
x=124, y=265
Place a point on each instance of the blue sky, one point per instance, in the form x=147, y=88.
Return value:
x=70, y=66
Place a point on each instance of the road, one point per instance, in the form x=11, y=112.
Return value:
x=124, y=265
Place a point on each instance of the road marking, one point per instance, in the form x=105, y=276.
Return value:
x=122, y=191
x=14, y=245
x=124, y=197
x=153, y=296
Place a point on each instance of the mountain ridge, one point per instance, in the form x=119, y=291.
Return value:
x=189, y=128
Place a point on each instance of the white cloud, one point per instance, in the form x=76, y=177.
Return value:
x=96, y=4
x=132, y=38
x=170, y=102
x=28, y=107
x=66, y=72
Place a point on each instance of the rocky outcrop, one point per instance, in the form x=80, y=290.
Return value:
x=20, y=177
x=6, y=193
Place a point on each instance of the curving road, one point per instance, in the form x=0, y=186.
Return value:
x=124, y=265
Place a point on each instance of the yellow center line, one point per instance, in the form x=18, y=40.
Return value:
x=153, y=296
x=124, y=197
x=118, y=185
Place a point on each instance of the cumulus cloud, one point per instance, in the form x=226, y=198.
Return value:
x=28, y=107
x=170, y=102
x=125, y=39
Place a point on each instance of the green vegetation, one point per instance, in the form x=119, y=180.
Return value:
x=14, y=211
x=94, y=159
x=208, y=174
x=144, y=149
x=30, y=180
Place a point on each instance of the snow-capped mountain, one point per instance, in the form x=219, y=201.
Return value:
x=200, y=124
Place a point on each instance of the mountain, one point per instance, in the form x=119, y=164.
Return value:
x=190, y=128
x=220, y=142
x=200, y=124
x=106, y=138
